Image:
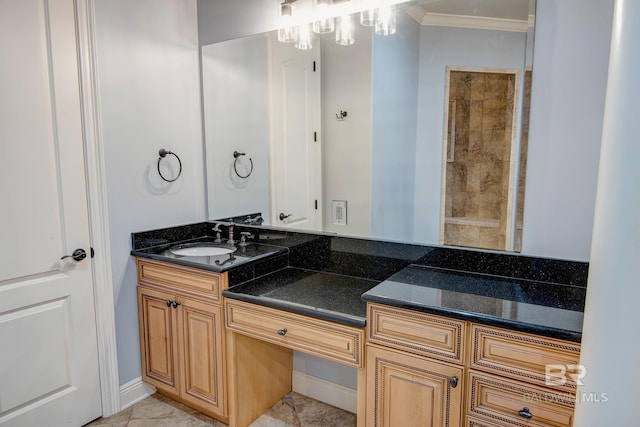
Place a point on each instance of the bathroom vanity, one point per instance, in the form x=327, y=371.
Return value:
x=439, y=336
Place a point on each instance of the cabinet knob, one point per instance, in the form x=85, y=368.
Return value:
x=176, y=304
x=282, y=332
x=169, y=302
x=454, y=382
x=524, y=413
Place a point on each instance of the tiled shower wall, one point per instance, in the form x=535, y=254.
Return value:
x=479, y=153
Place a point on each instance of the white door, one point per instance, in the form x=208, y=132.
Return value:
x=48, y=356
x=295, y=167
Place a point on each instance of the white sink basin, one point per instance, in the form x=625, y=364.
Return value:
x=201, y=250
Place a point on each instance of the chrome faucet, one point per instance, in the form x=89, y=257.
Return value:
x=249, y=220
x=231, y=241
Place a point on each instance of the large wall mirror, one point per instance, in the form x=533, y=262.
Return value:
x=420, y=136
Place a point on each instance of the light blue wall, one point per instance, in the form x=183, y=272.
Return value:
x=394, y=122
x=441, y=47
x=148, y=76
x=570, y=66
x=234, y=86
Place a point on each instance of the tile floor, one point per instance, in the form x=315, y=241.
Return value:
x=292, y=410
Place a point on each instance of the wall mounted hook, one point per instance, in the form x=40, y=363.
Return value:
x=341, y=115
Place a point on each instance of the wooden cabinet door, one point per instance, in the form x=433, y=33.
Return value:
x=158, y=343
x=201, y=343
x=407, y=390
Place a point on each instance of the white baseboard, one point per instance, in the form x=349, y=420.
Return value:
x=133, y=392
x=325, y=391
x=308, y=385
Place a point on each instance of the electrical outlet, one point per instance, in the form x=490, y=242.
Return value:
x=339, y=212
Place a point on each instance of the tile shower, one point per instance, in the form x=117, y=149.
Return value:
x=478, y=159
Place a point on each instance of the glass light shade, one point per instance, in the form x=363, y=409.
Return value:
x=386, y=20
x=324, y=26
x=287, y=31
x=345, y=31
x=324, y=23
x=305, y=40
x=368, y=15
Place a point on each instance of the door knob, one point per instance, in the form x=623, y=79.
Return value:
x=77, y=255
x=283, y=216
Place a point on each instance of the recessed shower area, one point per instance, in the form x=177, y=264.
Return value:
x=480, y=170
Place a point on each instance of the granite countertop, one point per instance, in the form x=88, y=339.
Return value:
x=243, y=255
x=322, y=295
x=543, y=308
x=332, y=277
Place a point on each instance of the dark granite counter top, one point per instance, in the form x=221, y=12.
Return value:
x=331, y=277
x=543, y=308
x=243, y=255
x=323, y=295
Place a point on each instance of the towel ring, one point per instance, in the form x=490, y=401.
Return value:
x=237, y=154
x=163, y=153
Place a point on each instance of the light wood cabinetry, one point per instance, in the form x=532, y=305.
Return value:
x=508, y=384
x=325, y=339
x=235, y=361
x=410, y=390
x=432, y=336
x=524, y=356
x=182, y=334
x=412, y=358
x=256, y=384
x=515, y=403
x=414, y=368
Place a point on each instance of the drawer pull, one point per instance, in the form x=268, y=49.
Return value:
x=524, y=413
x=454, y=382
x=282, y=332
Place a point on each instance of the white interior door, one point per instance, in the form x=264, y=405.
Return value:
x=48, y=357
x=295, y=167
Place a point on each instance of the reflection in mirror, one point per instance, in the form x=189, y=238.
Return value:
x=353, y=139
x=482, y=108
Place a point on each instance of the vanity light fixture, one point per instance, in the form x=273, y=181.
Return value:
x=379, y=14
x=324, y=24
x=287, y=31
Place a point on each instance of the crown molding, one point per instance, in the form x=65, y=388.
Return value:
x=476, y=22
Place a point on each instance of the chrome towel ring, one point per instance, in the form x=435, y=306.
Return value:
x=163, y=153
x=237, y=154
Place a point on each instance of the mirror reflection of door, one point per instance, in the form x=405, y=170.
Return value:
x=479, y=173
x=294, y=79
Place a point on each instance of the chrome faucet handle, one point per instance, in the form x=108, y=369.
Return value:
x=217, y=230
x=243, y=238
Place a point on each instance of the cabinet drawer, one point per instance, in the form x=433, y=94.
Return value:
x=434, y=336
x=525, y=357
x=514, y=403
x=180, y=278
x=325, y=339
